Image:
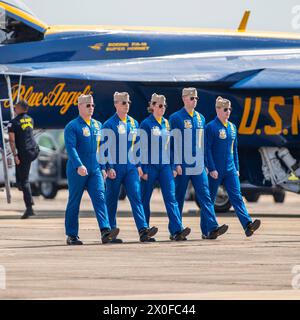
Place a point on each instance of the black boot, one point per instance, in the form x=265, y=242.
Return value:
x=252, y=227
x=116, y=240
x=217, y=232
x=28, y=213
x=74, y=241
x=147, y=233
x=181, y=236
x=107, y=235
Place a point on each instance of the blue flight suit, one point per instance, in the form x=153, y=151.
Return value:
x=155, y=155
x=192, y=145
x=125, y=164
x=222, y=156
x=82, y=142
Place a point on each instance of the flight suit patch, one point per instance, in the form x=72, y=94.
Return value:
x=121, y=129
x=86, y=131
x=156, y=131
x=188, y=124
x=222, y=134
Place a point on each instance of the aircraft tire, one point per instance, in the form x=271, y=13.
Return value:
x=48, y=189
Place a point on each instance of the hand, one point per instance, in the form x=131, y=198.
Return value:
x=82, y=171
x=140, y=171
x=112, y=174
x=104, y=174
x=17, y=160
x=179, y=170
x=174, y=173
x=214, y=174
x=145, y=177
x=238, y=173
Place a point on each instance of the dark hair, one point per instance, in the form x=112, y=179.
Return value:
x=23, y=104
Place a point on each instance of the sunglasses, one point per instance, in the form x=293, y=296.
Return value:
x=126, y=102
x=227, y=109
x=160, y=105
x=89, y=105
x=194, y=98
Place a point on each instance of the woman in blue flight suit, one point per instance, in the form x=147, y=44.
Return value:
x=155, y=155
x=223, y=164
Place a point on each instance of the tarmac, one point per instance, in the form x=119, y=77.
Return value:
x=35, y=262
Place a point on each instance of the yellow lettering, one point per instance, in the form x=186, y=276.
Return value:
x=277, y=128
x=296, y=116
x=69, y=101
x=32, y=100
x=62, y=99
x=27, y=95
x=54, y=95
x=57, y=97
x=244, y=129
x=39, y=99
x=118, y=44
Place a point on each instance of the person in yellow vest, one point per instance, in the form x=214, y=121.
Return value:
x=223, y=163
x=156, y=165
x=120, y=135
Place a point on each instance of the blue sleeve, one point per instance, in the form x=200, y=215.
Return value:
x=144, y=148
x=235, y=153
x=209, y=137
x=71, y=143
x=174, y=147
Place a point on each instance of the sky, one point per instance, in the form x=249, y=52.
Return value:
x=266, y=15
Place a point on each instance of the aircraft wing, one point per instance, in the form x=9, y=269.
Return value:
x=237, y=69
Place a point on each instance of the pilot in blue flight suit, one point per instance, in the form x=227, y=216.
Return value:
x=188, y=155
x=82, y=140
x=155, y=155
x=223, y=164
x=123, y=167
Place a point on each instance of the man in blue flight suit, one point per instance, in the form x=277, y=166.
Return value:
x=223, y=164
x=123, y=166
x=155, y=155
x=188, y=131
x=82, y=140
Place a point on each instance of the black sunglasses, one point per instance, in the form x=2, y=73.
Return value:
x=226, y=109
x=89, y=105
x=160, y=106
x=194, y=98
x=125, y=102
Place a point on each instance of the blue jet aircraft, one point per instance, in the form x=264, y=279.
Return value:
x=50, y=66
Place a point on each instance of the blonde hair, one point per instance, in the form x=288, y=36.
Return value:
x=150, y=108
